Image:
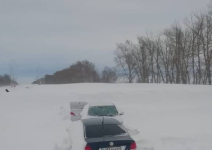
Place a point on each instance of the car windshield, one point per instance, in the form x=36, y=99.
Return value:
x=102, y=111
x=97, y=131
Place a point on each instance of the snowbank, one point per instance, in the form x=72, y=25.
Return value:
x=77, y=135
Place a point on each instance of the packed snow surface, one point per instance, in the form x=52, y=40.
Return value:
x=158, y=116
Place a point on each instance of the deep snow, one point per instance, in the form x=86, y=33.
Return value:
x=168, y=117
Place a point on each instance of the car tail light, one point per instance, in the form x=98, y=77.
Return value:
x=73, y=114
x=88, y=147
x=133, y=146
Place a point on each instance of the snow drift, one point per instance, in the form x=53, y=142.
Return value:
x=167, y=117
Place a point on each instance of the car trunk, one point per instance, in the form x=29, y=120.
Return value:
x=119, y=141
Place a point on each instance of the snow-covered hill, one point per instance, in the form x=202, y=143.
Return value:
x=168, y=117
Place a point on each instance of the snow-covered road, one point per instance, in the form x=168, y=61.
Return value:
x=168, y=117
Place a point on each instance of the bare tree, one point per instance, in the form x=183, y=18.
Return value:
x=109, y=75
x=124, y=59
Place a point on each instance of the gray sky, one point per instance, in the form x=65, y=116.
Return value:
x=56, y=33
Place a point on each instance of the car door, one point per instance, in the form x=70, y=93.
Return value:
x=76, y=109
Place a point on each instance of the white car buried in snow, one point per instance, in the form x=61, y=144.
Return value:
x=100, y=109
x=82, y=110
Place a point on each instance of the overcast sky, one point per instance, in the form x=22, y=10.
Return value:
x=54, y=34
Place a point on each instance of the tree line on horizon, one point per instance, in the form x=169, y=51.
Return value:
x=6, y=80
x=180, y=54
x=80, y=72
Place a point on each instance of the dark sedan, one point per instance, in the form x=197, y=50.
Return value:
x=106, y=134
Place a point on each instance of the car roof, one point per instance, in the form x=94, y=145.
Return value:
x=101, y=104
x=99, y=121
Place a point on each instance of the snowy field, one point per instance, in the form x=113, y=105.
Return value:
x=168, y=117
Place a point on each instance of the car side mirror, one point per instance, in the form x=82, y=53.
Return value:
x=121, y=113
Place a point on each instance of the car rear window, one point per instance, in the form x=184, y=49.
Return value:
x=102, y=111
x=96, y=131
